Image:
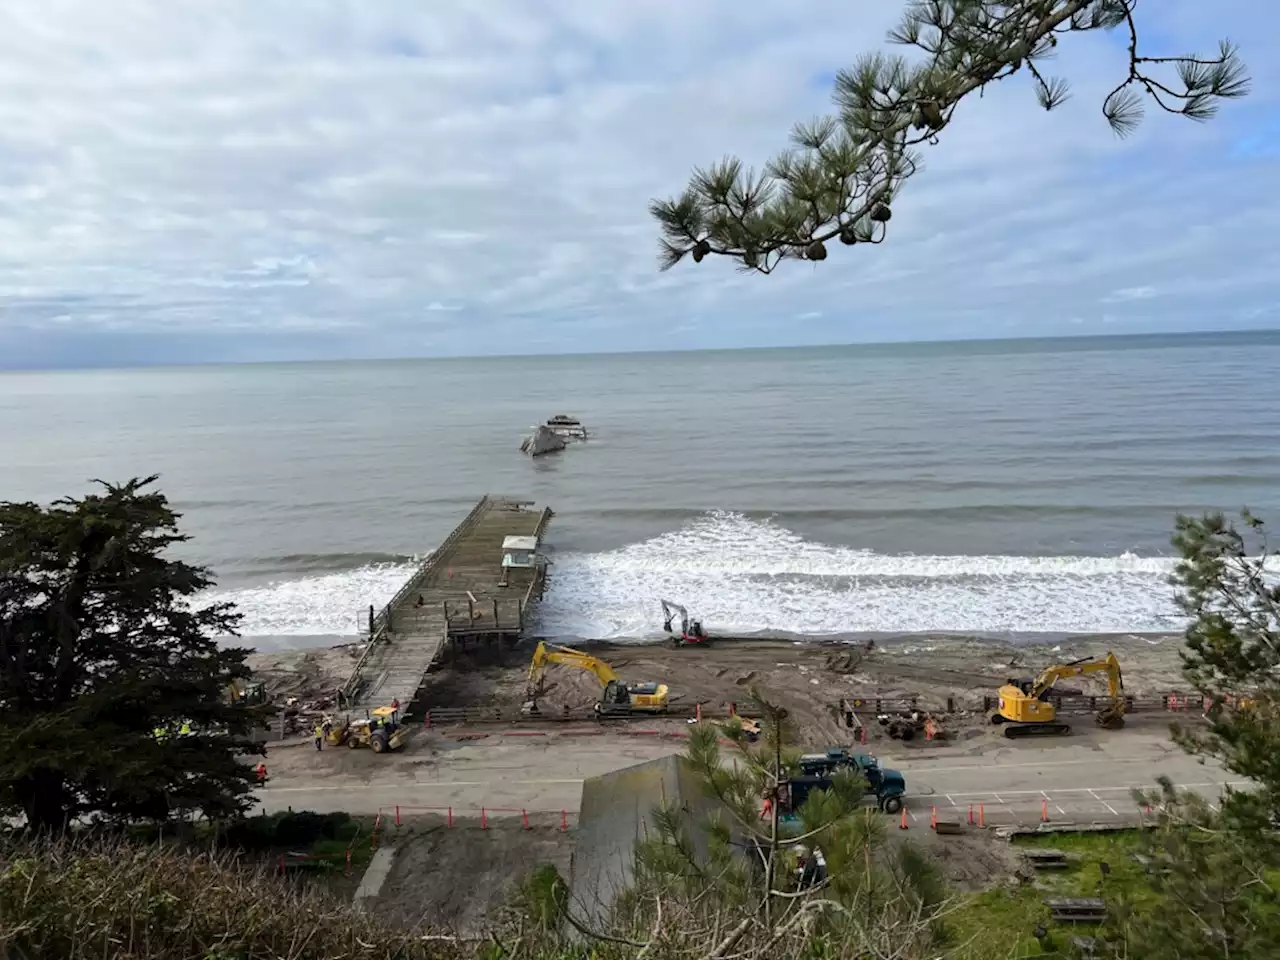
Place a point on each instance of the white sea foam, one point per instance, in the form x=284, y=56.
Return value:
x=747, y=575
x=332, y=604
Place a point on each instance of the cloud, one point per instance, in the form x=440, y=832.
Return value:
x=266, y=178
x=1129, y=294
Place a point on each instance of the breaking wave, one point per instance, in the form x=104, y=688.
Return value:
x=746, y=576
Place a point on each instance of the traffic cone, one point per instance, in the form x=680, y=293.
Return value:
x=1044, y=811
x=933, y=819
x=902, y=824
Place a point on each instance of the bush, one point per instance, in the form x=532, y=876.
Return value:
x=289, y=829
x=111, y=901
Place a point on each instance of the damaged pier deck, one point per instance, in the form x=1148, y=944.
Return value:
x=465, y=589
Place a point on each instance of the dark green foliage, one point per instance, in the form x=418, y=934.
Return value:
x=1212, y=891
x=99, y=648
x=1232, y=655
x=296, y=830
x=842, y=172
x=542, y=899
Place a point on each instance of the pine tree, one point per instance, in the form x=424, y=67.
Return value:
x=1230, y=592
x=1212, y=893
x=744, y=884
x=843, y=172
x=112, y=687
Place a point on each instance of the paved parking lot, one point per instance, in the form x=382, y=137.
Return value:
x=1084, y=778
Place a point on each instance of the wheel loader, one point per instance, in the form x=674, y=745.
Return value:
x=380, y=730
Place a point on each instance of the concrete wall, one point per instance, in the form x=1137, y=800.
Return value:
x=617, y=810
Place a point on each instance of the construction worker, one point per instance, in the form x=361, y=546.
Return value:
x=261, y=771
x=319, y=735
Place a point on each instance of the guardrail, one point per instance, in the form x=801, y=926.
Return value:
x=1068, y=705
x=447, y=716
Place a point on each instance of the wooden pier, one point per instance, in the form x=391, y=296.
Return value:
x=463, y=591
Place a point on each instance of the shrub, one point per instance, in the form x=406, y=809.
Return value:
x=112, y=901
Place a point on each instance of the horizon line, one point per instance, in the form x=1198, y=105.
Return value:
x=1068, y=337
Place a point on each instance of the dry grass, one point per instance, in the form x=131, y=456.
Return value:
x=112, y=901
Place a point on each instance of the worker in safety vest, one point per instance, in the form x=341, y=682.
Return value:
x=319, y=735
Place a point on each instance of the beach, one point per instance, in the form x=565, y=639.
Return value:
x=810, y=678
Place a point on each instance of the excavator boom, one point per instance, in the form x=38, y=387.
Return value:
x=554, y=653
x=669, y=613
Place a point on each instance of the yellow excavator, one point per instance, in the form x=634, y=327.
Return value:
x=1025, y=710
x=617, y=698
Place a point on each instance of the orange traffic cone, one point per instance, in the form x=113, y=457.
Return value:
x=902, y=824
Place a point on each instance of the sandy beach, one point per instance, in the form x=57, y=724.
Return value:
x=809, y=678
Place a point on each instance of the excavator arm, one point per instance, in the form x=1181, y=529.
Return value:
x=553, y=653
x=670, y=611
x=1078, y=668
x=616, y=697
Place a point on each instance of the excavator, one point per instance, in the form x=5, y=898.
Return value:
x=618, y=699
x=691, y=631
x=1025, y=709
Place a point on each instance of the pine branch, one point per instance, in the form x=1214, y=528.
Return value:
x=842, y=173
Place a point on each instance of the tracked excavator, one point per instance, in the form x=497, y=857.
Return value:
x=691, y=631
x=617, y=699
x=1025, y=710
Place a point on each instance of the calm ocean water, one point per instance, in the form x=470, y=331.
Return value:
x=982, y=486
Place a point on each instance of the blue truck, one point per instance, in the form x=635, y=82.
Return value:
x=817, y=769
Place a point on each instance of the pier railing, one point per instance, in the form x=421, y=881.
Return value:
x=483, y=616
x=383, y=620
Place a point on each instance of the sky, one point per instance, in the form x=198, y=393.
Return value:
x=186, y=181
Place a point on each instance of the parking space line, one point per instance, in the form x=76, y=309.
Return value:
x=1105, y=804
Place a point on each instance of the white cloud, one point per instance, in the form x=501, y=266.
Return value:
x=475, y=176
x=1129, y=294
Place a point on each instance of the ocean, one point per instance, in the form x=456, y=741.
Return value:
x=985, y=487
